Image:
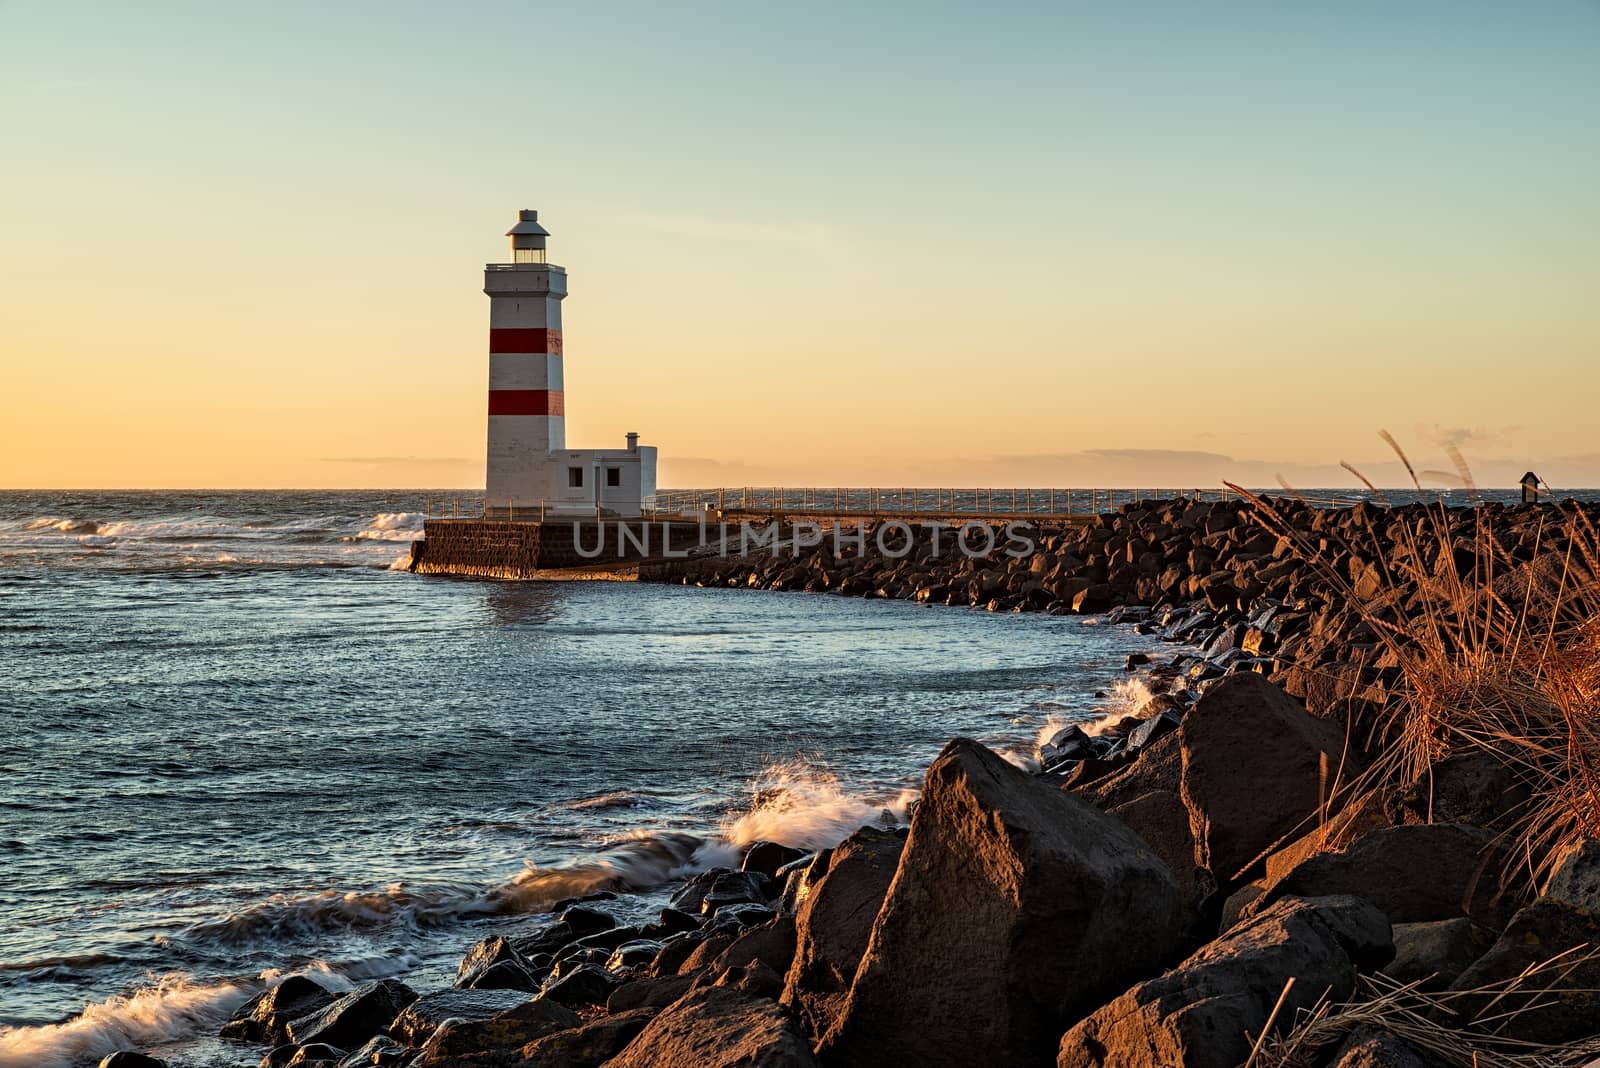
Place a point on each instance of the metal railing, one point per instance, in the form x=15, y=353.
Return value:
x=843, y=500
x=862, y=500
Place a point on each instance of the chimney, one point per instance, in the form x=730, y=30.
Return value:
x=633, y=441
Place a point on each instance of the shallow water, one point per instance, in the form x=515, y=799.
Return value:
x=236, y=743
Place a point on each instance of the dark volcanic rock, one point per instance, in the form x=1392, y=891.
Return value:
x=1372, y=1047
x=1473, y=787
x=1001, y=880
x=1413, y=873
x=421, y=1017
x=1162, y=821
x=506, y=975
x=381, y=1051
x=587, y=1046
x=510, y=1029
x=355, y=1017
x=129, y=1059
x=1436, y=953
x=717, y=1027
x=1542, y=931
x=768, y=857
x=265, y=1018
x=656, y=993
x=587, y=984
x=834, y=922
x=1203, y=1013
x=483, y=956
x=1257, y=768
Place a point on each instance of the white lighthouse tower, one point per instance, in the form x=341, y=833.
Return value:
x=529, y=465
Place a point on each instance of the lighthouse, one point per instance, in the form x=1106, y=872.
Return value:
x=529, y=465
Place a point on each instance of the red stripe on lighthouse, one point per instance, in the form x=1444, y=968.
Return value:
x=526, y=402
x=524, y=339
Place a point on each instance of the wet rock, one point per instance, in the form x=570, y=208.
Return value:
x=1149, y=730
x=1539, y=933
x=656, y=993
x=1436, y=953
x=1204, y=1012
x=735, y=888
x=586, y=920
x=127, y=1058
x=717, y=1027
x=1001, y=879
x=380, y=1051
x=511, y=1029
x=507, y=975
x=1414, y=873
x=352, y=1019
x=422, y=1017
x=264, y=1019
x=547, y=939
x=767, y=857
x=587, y=984
x=633, y=954
x=487, y=954
x=1257, y=768
x=673, y=920
x=738, y=917
x=316, y=1055
x=587, y=1046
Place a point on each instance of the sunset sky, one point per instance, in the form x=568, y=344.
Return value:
x=1069, y=245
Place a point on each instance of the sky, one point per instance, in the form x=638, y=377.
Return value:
x=1145, y=244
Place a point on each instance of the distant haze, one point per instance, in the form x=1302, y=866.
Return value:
x=1156, y=244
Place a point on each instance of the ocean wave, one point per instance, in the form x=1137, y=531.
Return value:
x=798, y=804
x=175, y=1007
x=803, y=804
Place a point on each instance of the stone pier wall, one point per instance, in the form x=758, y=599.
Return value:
x=552, y=549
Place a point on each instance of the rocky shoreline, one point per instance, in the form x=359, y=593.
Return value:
x=1263, y=867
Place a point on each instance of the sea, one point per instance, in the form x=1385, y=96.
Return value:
x=239, y=741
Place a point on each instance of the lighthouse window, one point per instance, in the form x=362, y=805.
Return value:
x=575, y=477
x=613, y=476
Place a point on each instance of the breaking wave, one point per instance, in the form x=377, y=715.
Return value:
x=188, y=541
x=172, y=1009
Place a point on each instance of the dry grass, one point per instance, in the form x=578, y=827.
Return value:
x=1496, y=635
x=1414, y=1016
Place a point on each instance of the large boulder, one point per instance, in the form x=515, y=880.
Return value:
x=1257, y=770
x=1414, y=873
x=264, y=1019
x=1559, y=1005
x=424, y=1015
x=1436, y=953
x=587, y=1046
x=352, y=1019
x=1205, y=1012
x=1162, y=821
x=717, y=1027
x=511, y=1029
x=834, y=923
x=1003, y=882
